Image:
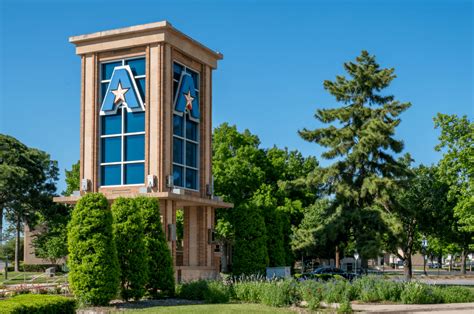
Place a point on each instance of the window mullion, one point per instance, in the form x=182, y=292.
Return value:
x=122, y=173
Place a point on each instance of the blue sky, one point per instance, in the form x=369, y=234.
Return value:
x=276, y=56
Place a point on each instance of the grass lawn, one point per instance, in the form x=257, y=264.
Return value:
x=26, y=277
x=213, y=308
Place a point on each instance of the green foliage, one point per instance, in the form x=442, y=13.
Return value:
x=264, y=200
x=209, y=291
x=359, y=136
x=8, y=249
x=94, y=270
x=51, y=242
x=280, y=293
x=373, y=289
x=456, y=168
x=455, y=294
x=345, y=307
x=73, y=178
x=418, y=293
x=129, y=240
x=160, y=263
x=37, y=304
x=251, y=257
x=312, y=292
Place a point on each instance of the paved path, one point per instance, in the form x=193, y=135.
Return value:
x=415, y=308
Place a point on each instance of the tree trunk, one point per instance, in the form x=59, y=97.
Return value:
x=338, y=262
x=463, y=261
x=17, y=245
x=407, y=267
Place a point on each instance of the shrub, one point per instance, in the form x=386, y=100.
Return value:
x=418, y=293
x=93, y=264
x=248, y=291
x=337, y=291
x=250, y=256
x=193, y=290
x=217, y=292
x=345, y=307
x=279, y=293
x=129, y=240
x=35, y=303
x=454, y=294
x=160, y=263
x=312, y=292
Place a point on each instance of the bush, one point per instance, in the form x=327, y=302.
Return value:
x=373, y=289
x=250, y=249
x=160, y=263
x=37, y=304
x=312, y=292
x=217, y=292
x=280, y=293
x=337, y=291
x=129, y=240
x=345, y=307
x=209, y=291
x=454, y=294
x=93, y=264
x=248, y=291
x=418, y=293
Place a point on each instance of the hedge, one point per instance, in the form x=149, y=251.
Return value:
x=160, y=263
x=37, y=304
x=129, y=240
x=93, y=263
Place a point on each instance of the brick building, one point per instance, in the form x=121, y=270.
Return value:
x=146, y=126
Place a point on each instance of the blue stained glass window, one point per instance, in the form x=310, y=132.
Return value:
x=195, y=77
x=178, y=175
x=177, y=69
x=191, y=178
x=191, y=154
x=134, y=147
x=112, y=124
x=141, y=85
x=134, y=122
x=110, y=175
x=177, y=125
x=120, y=148
x=108, y=69
x=103, y=90
x=137, y=66
x=178, y=150
x=185, y=136
x=134, y=173
x=191, y=129
x=111, y=149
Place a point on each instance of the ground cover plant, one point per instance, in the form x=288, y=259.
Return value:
x=283, y=293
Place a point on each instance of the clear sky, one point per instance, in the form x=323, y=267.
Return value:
x=276, y=56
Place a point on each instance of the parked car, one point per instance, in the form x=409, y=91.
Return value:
x=328, y=272
x=434, y=265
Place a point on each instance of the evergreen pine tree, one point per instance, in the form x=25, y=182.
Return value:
x=160, y=263
x=251, y=255
x=92, y=260
x=360, y=137
x=129, y=239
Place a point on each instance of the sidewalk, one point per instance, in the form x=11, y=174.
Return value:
x=414, y=308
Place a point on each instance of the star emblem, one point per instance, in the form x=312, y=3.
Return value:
x=119, y=93
x=189, y=100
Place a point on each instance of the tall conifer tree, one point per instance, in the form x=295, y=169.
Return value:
x=359, y=136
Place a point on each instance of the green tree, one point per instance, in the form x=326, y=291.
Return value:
x=129, y=240
x=360, y=138
x=73, y=179
x=160, y=263
x=266, y=203
x=251, y=257
x=51, y=242
x=94, y=269
x=27, y=184
x=456, y=169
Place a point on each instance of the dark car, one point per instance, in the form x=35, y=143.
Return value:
x=328, y=272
